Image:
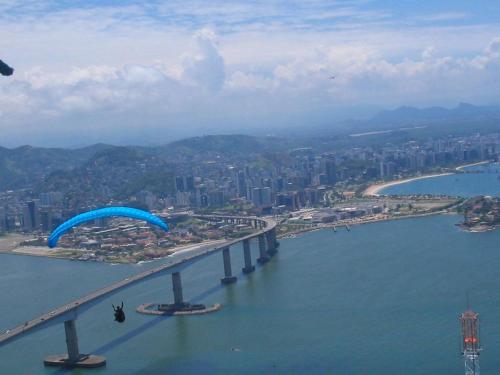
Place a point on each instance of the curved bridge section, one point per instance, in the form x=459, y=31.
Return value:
x=266, y=235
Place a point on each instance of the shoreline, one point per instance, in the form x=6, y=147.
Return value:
x=362, y=222
x=374, y=189
x=34, y=251
x=478, y=228
x=459, y=168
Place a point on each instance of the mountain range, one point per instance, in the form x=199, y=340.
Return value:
x=28, y=166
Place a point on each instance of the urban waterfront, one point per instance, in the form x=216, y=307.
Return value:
x=382, y=298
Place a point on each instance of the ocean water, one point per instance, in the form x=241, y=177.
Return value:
x=464, y=185
x=383, y=298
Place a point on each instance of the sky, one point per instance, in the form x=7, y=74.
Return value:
x=139, y=72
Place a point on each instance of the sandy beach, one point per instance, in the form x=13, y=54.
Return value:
x=373, y=190
x=472, y=165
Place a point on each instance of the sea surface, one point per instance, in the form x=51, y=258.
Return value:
x=461, y=184
x=383, y=298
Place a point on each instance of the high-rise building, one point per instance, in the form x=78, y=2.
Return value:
x=216, y=198
x=285, y=200
x=189, y=183
x=330, y=171
x=10, y=222
x=51, y=198
x=257, y=197
x=3, y=224
x=184, y=183
x=179, y=184
x=266, y=197
x=147, y=199
x=241, y=184
x=31, y=215
x=183, y=198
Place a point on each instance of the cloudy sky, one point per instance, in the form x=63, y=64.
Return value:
x=138, y=72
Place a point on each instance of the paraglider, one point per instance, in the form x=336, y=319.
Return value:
x=5, y=70
x=119, y=313
x=104, y=212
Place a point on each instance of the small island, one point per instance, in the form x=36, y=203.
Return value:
x=481, y=213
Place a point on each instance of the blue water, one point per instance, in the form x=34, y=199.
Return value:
x=383, y=298
x=464, y=185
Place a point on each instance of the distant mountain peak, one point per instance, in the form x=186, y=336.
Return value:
x=463, y=111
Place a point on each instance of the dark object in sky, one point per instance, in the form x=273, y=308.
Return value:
x=119, y=313
x=5, y=70
x=332, y=77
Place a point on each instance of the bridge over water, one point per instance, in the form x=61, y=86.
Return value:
x=68, y=313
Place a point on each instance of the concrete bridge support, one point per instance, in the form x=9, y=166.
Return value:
x=71, y=340
x=74, y=358
x=228, y=276
x=177, y=288
x=271, y=242
x=263, y=257
x=247, y=255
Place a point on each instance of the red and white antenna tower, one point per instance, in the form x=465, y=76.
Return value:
x=471, y=345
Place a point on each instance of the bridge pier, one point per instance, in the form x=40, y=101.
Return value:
x=74, y=358
x=271, y=242
x=71, y=340
x=263, y=257
x=178, y=307
x=177, y=288
x=228, y=276
x=247, y=255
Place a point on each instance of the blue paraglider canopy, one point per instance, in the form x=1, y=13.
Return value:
x=104, y=212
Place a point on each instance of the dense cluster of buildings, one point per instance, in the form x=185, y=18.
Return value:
x=303, y=177
x=261, y=184
x=126, y=240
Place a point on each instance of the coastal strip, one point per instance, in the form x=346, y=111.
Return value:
x=360, y=221
x=373, y=190
x=472, y=165
x=9, y=246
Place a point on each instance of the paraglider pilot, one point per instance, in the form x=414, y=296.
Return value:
x=119, y=313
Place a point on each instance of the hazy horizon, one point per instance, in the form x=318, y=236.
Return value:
x=152, y=73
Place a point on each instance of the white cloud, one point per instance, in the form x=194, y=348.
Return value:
x=207, y=66
x=446, y=16
x=358, y=72
x=493, y=48
x=112, y=68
